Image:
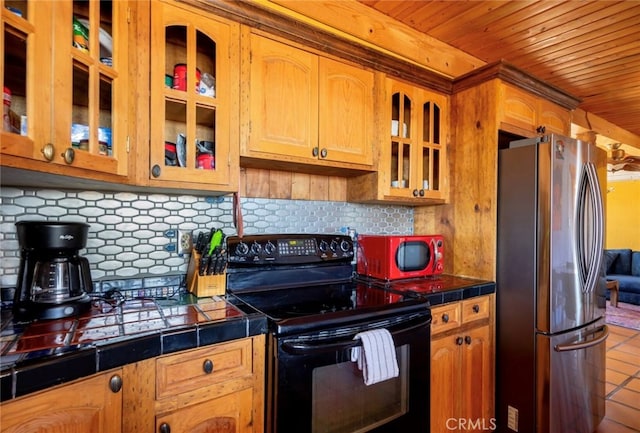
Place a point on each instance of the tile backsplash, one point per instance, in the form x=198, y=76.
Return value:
x=134, y=235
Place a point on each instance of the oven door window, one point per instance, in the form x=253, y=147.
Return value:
x=342, y=403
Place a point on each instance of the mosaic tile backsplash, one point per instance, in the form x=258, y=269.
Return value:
x=133, y=236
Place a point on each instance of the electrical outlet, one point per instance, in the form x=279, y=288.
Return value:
x=184, y=242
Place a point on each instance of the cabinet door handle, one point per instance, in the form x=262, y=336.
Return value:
x=459, y=341
x=115, y=383
x=315, y=152
x=207, y=366
x=165, y=428
x=445, y=318
x=476, y=308
x=467, y=339
x=48, y=151
x=156, y=171
x=421, y=192
x=323, y=153
x=69, y=155
x=415, y=193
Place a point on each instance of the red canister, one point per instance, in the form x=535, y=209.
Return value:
x=206, y=161
x=180, y=77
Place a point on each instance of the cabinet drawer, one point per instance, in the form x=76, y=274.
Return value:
x=445, y=317
x=475, y=309
x=198, y=368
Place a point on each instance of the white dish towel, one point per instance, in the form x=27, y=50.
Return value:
x=376, y=357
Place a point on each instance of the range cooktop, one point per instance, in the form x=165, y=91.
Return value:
x=306, y=308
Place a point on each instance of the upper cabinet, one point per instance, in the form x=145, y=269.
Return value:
x=304, y=110
x=523, y=112
x=65, y=80
x=194, y=99
x=414, y=131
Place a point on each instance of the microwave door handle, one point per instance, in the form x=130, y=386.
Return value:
x=299, y=348
x=437, y=255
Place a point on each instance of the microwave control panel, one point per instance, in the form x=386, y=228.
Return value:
x=286, y=249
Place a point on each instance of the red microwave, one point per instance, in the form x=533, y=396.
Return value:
x=395, y=257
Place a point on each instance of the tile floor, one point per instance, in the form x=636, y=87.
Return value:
x=623, y=382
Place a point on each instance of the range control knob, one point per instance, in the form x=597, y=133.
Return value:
x=256, y=248
x=242, y=249
x=334, y=246
x=345, y=246
x=269, y=248
x=323, y=246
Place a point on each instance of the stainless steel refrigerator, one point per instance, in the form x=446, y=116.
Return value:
x=550, y=286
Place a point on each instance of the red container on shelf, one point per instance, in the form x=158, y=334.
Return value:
x=180, y=77
x=206, y=161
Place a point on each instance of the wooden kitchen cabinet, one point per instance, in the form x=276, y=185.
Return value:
x=522, y=112
x=194, y=99
x=304, y=111
x=462, y=354
x=74, y=109
x=218, y=388
x=412, y=166
x=468, y=221
x=88, y=405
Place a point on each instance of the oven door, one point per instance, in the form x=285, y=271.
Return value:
x=316, y=388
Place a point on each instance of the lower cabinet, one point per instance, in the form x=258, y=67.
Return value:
x=227, y=414
x=462, y=378
x=212, y=389
x=89, y=405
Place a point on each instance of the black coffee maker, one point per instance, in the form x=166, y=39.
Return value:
x=53, y=280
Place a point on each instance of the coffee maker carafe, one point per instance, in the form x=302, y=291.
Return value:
x=53, y=280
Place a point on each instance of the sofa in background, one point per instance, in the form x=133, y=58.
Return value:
x=623, y=265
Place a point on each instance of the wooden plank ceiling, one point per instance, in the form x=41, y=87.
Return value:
x=590, y=49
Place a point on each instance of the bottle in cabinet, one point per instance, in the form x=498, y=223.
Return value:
x=192, y=89
x=68, y=115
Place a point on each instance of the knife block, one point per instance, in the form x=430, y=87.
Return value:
x=204, y=285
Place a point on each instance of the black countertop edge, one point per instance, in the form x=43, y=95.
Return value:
x=31, y=375
x=455, y=295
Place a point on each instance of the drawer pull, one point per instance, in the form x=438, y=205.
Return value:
x=165, y=428
x=476, y=308
x=467, y=339
x=445, y=318
x=207, y=366
x=459, y=341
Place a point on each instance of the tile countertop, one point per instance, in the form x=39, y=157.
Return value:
x=38, y=355
x=439, y=289
x=35, y=356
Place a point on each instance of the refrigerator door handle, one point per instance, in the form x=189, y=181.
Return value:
x=590, y=228
x=582, y=344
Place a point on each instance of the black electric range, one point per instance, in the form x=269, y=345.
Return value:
x=316, y=310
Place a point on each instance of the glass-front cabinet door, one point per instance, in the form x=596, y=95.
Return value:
x=417, y=147
x=17, y=42
x=64, y=74
x=190, y=98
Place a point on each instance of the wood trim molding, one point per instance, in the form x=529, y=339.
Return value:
x=510, y=73
x=257, y=17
